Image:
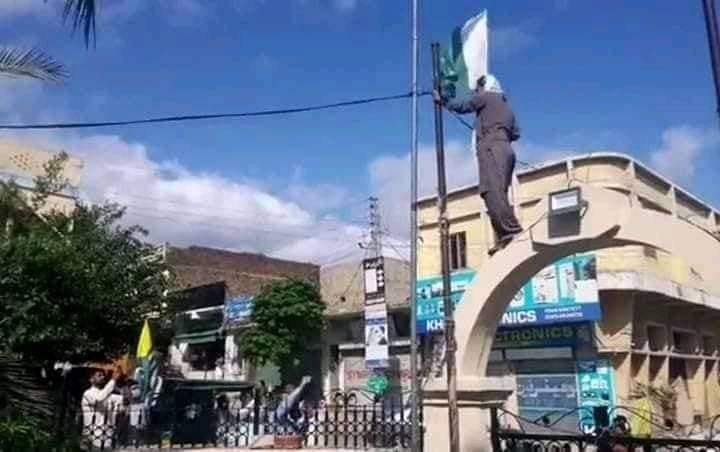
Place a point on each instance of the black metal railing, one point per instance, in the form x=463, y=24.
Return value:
x=598, y=430
x=320, y=425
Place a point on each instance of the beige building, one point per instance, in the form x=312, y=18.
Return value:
x=660, y=317
x=23, y=163
x=341, y=288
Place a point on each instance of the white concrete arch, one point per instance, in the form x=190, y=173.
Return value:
x=609, y=220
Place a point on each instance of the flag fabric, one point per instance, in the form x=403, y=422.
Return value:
x=466, y=59
x=147, y=371
x=640, y=421
x=144, y=347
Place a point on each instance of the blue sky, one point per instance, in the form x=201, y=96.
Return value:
x=582, y=77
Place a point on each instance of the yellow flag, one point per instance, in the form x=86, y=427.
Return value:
x=640, y=422
x=145, y=345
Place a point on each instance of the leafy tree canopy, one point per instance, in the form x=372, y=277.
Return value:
x=73, y=286
x=287, y=317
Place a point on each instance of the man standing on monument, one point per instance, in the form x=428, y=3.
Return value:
x=495, y=129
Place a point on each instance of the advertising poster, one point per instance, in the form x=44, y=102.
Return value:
x=374, y=280
x=595, y=383
x=564, y=292
x=376, y=336
x=595, y=388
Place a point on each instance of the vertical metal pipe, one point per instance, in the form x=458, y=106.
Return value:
x=414, y=384
x=713, y=45
x=444, y=261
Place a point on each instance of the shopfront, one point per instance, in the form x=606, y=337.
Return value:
x=545, y=340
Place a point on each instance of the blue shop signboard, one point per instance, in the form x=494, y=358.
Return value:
x=563, y=292
x=238, y=310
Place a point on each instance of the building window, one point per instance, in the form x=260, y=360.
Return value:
x=458, y=251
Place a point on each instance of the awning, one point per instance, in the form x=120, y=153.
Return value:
x=201, y=337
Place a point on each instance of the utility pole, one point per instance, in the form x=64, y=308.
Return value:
x=415, y=431
x=450, y=347
x=714, y=45
x=374, y=221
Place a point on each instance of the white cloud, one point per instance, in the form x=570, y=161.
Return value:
x=680, y=150
x=185, y=207
x=390, y=180
x=505, y=41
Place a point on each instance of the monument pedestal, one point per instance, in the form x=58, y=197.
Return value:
x=475, y=398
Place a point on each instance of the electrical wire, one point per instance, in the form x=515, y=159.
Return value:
x=243, y=215
x=244, y=228
x=469, y=126
x=202, y=117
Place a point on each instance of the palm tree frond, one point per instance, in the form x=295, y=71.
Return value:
x=82, y=15
x=33, y=63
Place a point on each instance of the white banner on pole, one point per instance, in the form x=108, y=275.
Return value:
x=376, y=336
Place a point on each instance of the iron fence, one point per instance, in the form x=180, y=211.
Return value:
x=320, y=425
x=597, y=430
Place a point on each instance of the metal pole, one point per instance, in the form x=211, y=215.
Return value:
x=414, y=384
x=444, y=262
x=714, y=46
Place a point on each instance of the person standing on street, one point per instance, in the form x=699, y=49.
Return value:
x=495, y=129
x=100, y=408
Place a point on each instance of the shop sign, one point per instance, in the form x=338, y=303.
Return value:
x=238, y=310
x=430, y=311
x=563, y=292
x=572, y=335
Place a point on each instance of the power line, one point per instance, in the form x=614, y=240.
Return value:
x=466, y=124
x=244, y=228
x=202, y=117
x=243, y=214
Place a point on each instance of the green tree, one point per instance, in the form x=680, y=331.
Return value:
x=73, y=286
x=34, y=63
x=287, y=318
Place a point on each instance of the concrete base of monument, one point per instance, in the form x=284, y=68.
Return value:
x=476, y=395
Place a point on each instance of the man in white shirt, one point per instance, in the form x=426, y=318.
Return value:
x=99, y=409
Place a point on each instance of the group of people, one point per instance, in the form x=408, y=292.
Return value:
x=116, y=406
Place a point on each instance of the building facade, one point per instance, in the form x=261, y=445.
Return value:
x=216, y=289
x=22, y=164
x=611, y=327
x=342, y=290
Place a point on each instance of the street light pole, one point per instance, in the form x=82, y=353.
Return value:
x=714, y=45
x=444, y=261
x=414, y=385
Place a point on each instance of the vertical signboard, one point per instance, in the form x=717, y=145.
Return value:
x=374, y=280
x=376, y=324
x=376, y=336
x=595, y=385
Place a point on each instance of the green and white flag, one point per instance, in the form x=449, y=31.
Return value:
x=466, y=59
